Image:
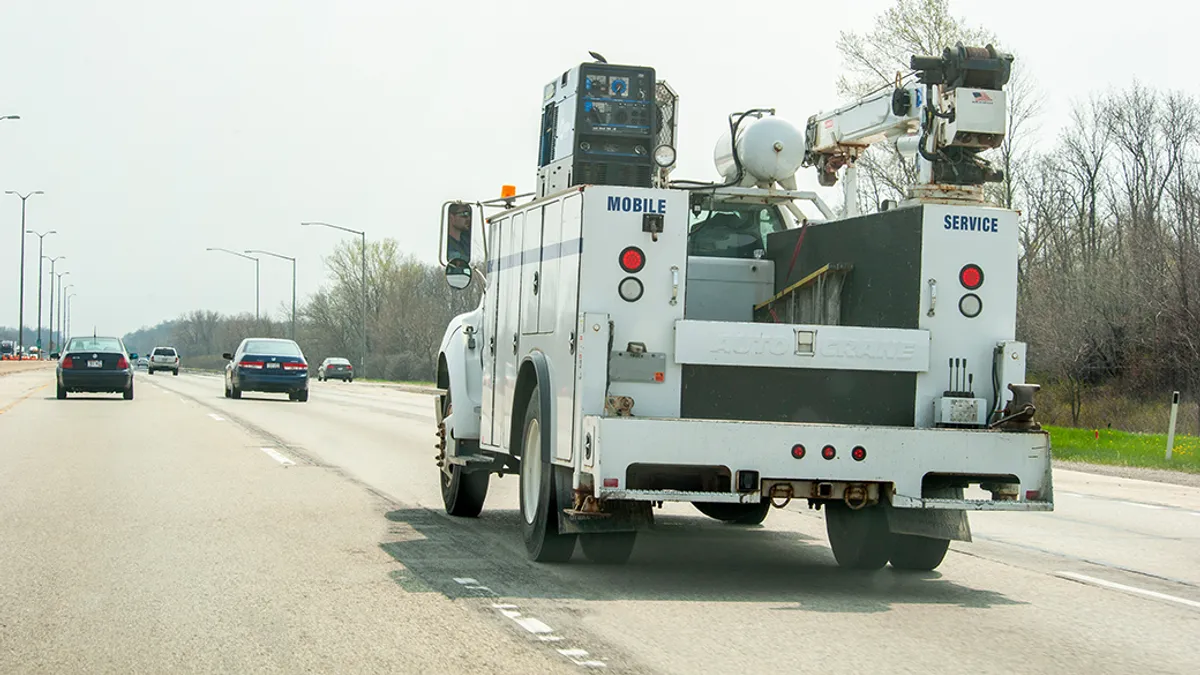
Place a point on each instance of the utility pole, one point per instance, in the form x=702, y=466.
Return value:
x=21, y=283
x=41, y=240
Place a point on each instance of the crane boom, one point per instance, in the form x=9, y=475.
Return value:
x=941, y=119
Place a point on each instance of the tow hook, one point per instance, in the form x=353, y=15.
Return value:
x=856, y=496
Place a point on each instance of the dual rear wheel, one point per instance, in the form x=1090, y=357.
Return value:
x=860, y=540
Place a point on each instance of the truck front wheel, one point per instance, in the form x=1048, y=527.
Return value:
x=860, y=539
x=738, y=514
x=922, y=554
x=463, y=493
x=539, y=504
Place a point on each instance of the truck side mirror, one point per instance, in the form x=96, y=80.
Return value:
x=458, y=274
x=458, y=233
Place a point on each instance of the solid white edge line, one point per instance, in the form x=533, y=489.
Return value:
x=1083, y=578
x=216, y=417
x=277, y=457
x=1144, y=506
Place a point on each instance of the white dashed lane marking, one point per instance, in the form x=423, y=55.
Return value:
x=1111, y=585
x=277, y=457
x=536, y=627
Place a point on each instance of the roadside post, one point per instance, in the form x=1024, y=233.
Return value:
x=1171, y=428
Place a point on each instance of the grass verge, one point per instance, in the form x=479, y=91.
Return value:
x=1121, y=448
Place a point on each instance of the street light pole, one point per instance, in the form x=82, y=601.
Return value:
x=285, y=257
x=69, y=307
x=362, y=366
x=256, y=293
x=10, y=117
x=41, y=240
x=53, y=260
x=21, y=283
x=61, y=314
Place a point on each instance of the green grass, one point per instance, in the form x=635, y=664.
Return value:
x=1121, y=448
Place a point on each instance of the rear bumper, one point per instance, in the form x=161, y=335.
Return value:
x=271, y=383
x=95, y=381
x=163, y=366
x=901, y=463
x=338, y=375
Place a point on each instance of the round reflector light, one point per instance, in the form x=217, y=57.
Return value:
x=632, y=259
x=630, y=289
x=798, y=451
x=971, y=277
x=828, y=452
x=859, y=453
x=970, y=305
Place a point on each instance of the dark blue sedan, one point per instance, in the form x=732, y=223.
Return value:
x=268, y=365
x=95, y=365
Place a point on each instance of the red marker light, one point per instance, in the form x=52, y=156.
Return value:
x=971, y=277
x=632, y=259
x=798, y=451
x=859, y=453
x=1032, y=495
x=829, y=452
x=612, y=482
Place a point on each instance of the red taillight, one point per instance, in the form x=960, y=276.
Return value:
x=798, y=451
x=1032, y=495
x=859, y=453
x=255, y=365
x=612, y=482
x=829, y=452
x=632, y=259
x=349, y=367
x=971, y=277
x=67, y=364
x=295, y=366
x=122, y=363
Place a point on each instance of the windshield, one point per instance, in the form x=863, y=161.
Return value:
x=272, y=347
x=725, y=230
x=95, y=344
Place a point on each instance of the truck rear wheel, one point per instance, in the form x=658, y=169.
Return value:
x=463, y=493
x=738, y=514
x=922, y=554
x=860, y=539
x=539, y=503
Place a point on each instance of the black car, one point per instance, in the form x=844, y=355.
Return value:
x=267, y=365
x=95, y=365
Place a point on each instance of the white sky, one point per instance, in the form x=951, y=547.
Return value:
x=157, y=128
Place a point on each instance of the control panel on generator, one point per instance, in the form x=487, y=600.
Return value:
x=599, y=127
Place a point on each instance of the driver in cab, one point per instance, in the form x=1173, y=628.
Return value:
x=458, y=243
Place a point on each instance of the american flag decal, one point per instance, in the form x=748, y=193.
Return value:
x=981, y=97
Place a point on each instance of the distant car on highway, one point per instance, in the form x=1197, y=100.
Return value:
x=94, y=365
x=335, y=368
x=268, y=365
x=163, y=358
x=143, y=362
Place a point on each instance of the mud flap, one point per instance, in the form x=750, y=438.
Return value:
x=617, y=515
x=933, y=523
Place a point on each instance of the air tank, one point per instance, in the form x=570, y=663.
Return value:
x=770, y=149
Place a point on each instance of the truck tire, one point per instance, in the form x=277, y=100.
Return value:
x=920, y=554
x=738, y=514
x=608, y=548
x=539, y=503
x=860, y=539
x=463, y=492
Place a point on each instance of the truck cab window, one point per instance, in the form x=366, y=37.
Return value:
x=725, y=230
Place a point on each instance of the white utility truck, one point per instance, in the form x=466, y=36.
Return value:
x=642, y=340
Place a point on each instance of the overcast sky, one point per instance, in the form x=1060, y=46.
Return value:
x=158, y=129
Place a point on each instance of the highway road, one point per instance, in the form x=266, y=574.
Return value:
x=184, y=532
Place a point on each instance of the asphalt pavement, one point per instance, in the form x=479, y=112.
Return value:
x=186, y=532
